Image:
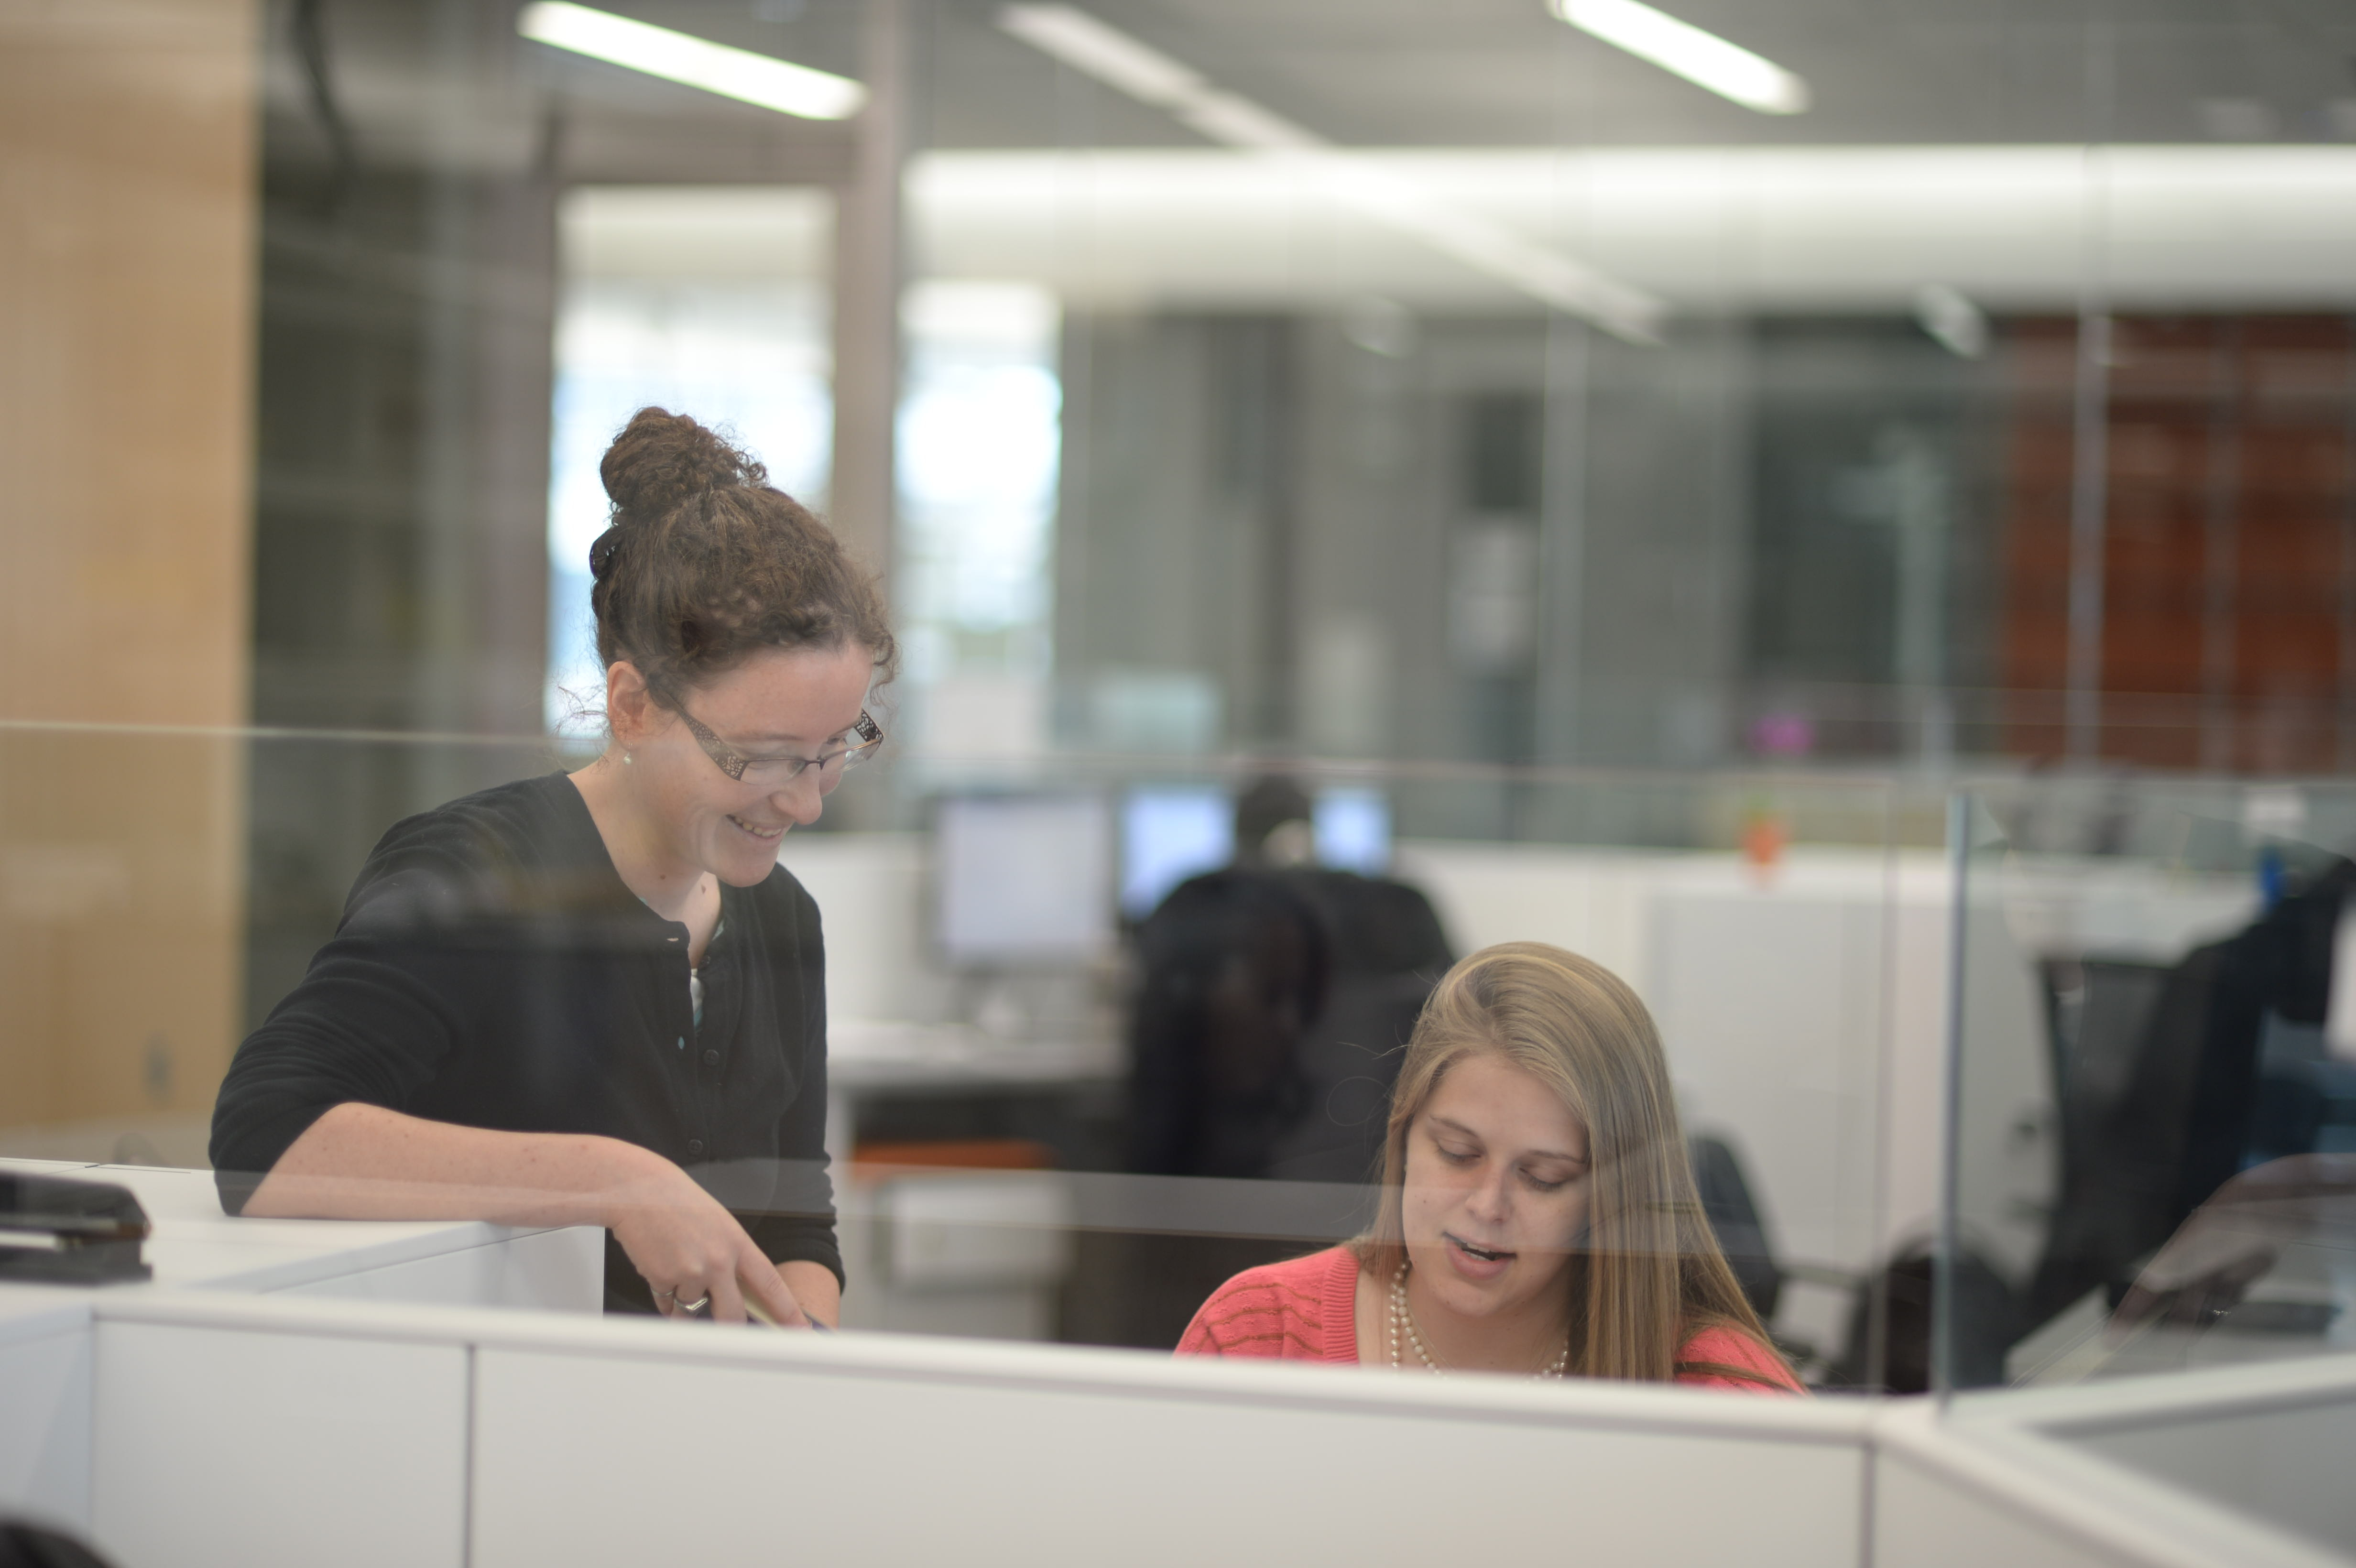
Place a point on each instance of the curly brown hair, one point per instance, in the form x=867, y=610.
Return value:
x=706, y=563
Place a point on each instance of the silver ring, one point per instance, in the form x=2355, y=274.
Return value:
x=665, y=1295
x=689, y=1309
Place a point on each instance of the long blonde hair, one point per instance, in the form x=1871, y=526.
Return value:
x=1648, y=1275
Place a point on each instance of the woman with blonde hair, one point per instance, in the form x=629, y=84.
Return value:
x=1538, y=1212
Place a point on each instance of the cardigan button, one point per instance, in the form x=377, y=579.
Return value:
x=695, y=1145
x=711, y=1059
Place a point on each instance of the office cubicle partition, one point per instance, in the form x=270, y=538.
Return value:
x=1825, y=964
x=214, y=1428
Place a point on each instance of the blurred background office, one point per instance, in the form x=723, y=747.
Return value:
x=1617, y=467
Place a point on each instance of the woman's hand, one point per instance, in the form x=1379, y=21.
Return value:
x=696, y=1258
x=363, y=1162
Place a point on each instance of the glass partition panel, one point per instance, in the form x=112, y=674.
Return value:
x=2153, y=1100
x=1094, y=1040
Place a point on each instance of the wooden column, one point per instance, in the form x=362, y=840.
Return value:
x=126, y=222
x=867, y=275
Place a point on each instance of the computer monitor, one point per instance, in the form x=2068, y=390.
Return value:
x=1169, y=832
x=1023, y=882
x=1354, y=830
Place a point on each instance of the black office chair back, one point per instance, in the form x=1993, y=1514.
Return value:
x=1735, y=1219
x=24, y=1545
x=2099, y=1014
x=2161, y=1084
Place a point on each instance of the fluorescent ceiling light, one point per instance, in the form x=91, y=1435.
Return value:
x=1146, y=74
x=741, y=74
x=1112, y=56
x=1701, y=58
x=1955, y=323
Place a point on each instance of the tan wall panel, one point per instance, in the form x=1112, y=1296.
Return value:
x=127, y=197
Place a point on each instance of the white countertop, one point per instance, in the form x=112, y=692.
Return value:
x=196, y=1246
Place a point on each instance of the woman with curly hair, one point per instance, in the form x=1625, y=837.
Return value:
x=596, y=998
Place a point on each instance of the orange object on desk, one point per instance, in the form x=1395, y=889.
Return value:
x=873, y=1159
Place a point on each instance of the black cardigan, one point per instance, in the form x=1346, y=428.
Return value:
x=493, y=970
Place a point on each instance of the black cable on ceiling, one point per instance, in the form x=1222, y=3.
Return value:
x=310, y=27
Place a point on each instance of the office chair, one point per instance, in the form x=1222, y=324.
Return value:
x=24, y=1545
x=2163, y=1085
x=2100, y=1034
x=1735, y=1219
x=1388, y=952
x=1236, y=967
x=1891, y=1348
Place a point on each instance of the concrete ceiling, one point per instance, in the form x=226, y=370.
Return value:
x=1505, y=73
x=420, y=82
x=1733, y=210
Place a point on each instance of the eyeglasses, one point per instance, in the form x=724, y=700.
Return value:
x=775, y=773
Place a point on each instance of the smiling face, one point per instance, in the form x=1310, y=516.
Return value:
x=1496, y=1190
x=779, y=702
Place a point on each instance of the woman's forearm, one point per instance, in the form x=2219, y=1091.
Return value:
x=364, y=1162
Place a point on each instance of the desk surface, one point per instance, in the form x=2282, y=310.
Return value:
x=866, y=1056
x=195, y=1245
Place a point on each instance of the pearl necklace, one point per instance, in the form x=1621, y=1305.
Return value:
x=1402, y=1324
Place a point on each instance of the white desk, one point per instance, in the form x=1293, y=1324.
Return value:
x=868, y=1059
x=994, y=1241
x=451, y=1262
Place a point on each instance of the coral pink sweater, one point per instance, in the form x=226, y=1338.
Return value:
x=1306, y=1310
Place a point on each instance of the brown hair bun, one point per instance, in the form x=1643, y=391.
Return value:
x=661, y=459
x=706, y=564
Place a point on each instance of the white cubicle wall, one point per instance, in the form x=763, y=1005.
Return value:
x=2244, y=1464
x=257, y=1433
x=46, y=1393
x=213, y=1429
x=51, y=1340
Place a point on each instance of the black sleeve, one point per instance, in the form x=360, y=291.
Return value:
x=368, y=1023
x=801, y=1227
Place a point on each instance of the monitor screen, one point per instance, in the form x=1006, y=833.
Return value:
x=1169, y=832
x=1354, y=830
x=1024, y=879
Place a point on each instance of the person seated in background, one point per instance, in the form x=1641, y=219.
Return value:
x=1388, y=952
x=1275, y=997
x=1236, y=969
x=1538, y=1215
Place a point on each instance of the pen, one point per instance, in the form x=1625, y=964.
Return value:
x=754, y=1309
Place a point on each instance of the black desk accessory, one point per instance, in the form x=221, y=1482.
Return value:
x=54, y=1231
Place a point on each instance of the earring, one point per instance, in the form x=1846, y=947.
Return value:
x=626, y=759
